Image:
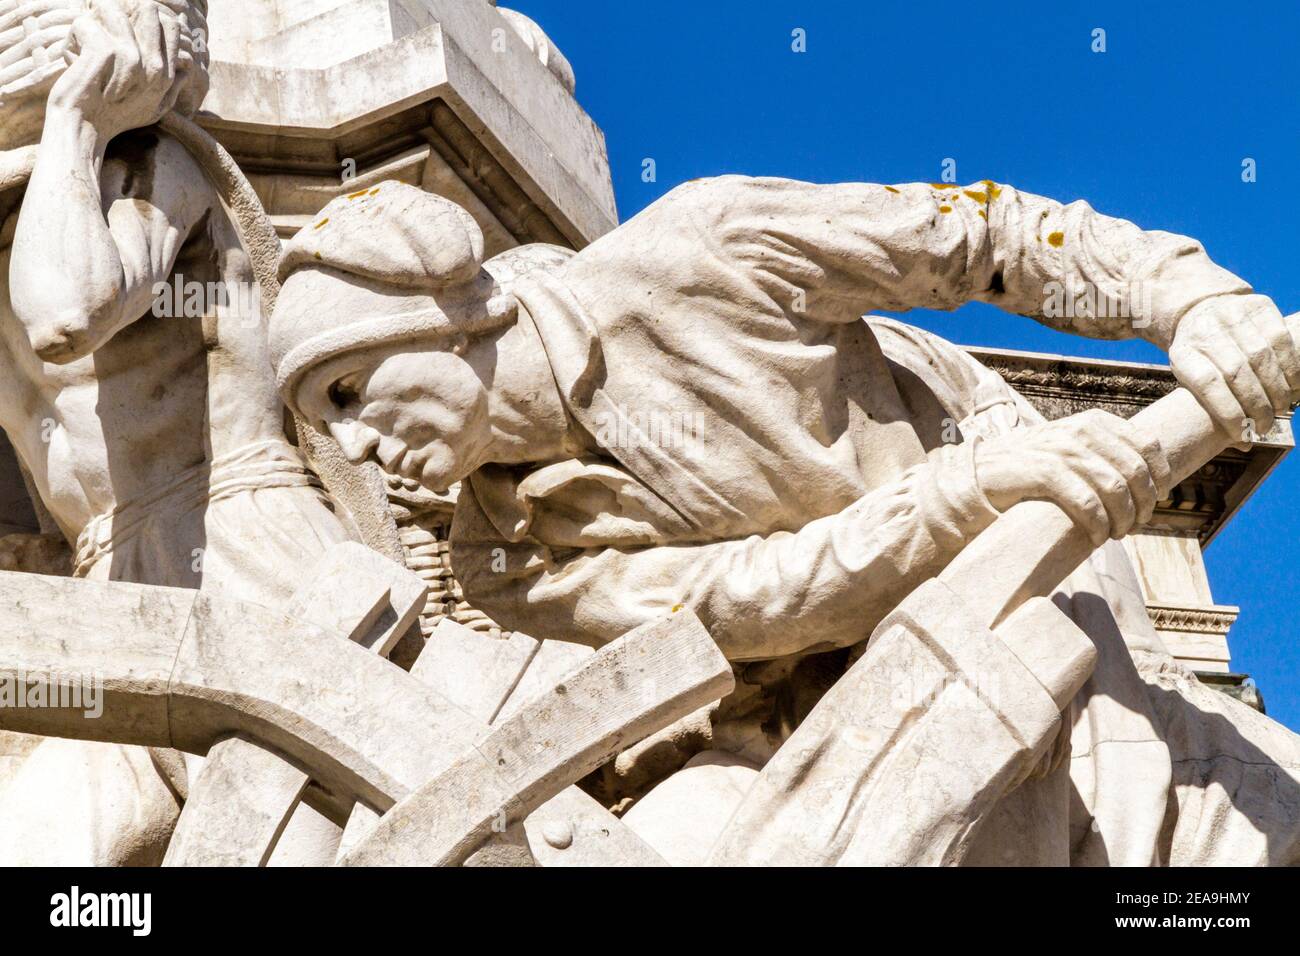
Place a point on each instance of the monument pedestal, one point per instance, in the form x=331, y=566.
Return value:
x=316, y=98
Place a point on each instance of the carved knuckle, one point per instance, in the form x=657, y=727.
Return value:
x=1153, y=451
x=1259, y=352
x=1118, y=489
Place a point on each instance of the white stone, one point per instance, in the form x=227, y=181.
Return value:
x=871, y=585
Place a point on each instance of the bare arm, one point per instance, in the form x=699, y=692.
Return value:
x=95, y=235
x=92, y=242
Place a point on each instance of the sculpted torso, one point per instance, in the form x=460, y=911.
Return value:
x=165, y=392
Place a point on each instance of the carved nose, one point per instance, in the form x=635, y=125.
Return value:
x=356, y=440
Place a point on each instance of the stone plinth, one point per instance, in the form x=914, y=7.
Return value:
x=316, y=98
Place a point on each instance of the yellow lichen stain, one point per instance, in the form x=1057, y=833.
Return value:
x=994, y=189
x=322, y=224
x=976, y=195
x=358, y=194
x=678, y=607
x=941, y=186
x=1056, y=239
x=891, y=189
x=983, y=214
x=945, y=208
x=374, y=191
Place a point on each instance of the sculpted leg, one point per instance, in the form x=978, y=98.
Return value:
x=79, y=803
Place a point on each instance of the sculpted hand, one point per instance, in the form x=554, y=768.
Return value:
x=1094, y=466
x=1235, y=353
x=130, y=68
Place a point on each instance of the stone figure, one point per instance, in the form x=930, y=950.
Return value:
x=536, y=39
x=691, y=413
x=136, y=385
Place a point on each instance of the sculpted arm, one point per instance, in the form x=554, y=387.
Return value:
x=828, y=583
x=831, y=253
x=823, y=586
x=99, y=227
x=853, y=248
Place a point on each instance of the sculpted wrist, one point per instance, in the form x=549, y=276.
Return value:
x=1174, y=283
x=1160, y=333
x=69, y=128
x=951, y=493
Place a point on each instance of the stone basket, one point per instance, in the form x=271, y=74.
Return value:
x=35, y=42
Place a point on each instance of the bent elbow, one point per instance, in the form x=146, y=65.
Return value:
x=66, y=322
x=60, y=342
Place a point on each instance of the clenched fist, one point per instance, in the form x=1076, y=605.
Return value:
x=1236, y=354
x=1095, y=466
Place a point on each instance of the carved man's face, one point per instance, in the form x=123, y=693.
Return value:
x=420, y=414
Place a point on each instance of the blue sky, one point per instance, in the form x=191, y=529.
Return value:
x=1155, y=129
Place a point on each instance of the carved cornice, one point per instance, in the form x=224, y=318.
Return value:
x=286, y=103
x=1068, y=380
x=1058, y=386
x=1192, y=620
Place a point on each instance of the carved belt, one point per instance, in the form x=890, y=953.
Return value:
x=267, y=464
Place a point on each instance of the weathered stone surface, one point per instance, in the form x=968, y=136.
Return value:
x=474, y=671
x=245, y=795
x=304, y=89
x=875, y=742
x=134, y=385
x=478, y=672
x=680, y=445
x=237, y=807
x=573, y=830
x=184, y=670
x=552, y=661
x=683, y=817
x=664, y=670
x=363, y=726
x=121, y=637
x=790, y=544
